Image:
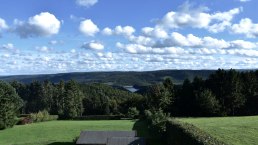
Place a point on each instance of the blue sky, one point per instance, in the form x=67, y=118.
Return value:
x=39, y=37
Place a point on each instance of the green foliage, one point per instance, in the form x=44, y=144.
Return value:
x=42, y=116
x=10, y=103
x=208, y=104
x=157, y=121
x=227, y=86
x=133, y=112
x=223, y=93
x=73, y=96
x=179, y=133
x=161, y=96
x=100, y=99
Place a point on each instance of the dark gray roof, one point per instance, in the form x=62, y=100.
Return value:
x=126, y=141
x=101, y=137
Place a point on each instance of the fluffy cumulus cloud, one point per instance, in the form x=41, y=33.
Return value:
x=177, y=39
x=93, y=45
x=8, y=46
x=154, y=32
x=43, y=24
x=188, y=16
x=107, y=31
x=88, y=28
x=178, y=44
x=43, y=49
x=3, y=24
x=86, y=3
x=243, y=44
x=125, y=31
x=246, y=27
x=141, y=49
x=161, y=46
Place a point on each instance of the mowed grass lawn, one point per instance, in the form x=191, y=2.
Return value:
x=57, y=132
x=231, y=130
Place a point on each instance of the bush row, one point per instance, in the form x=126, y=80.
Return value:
x=37, y=117
x=179, y=133
x=99, y=117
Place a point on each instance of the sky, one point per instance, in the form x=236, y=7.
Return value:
x=46, y=36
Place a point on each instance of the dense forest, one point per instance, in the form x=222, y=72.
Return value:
x=223, y=93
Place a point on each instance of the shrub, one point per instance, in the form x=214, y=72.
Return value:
x=24, y=120
x=39, y=116
x=133, y=113
x=156, y=121
x=179, y=133
x=99, y=117
x=42, y=116
x=45, y=115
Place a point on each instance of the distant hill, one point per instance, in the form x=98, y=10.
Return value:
x=116, y=78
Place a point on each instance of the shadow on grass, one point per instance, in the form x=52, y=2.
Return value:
x=142, y=131
x=61, y=143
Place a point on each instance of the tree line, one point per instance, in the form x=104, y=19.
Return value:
x=223, y=93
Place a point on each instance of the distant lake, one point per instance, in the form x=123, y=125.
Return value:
x=131, y=88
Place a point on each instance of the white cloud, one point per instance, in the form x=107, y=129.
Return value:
x=192, y=41
x=244, y=0
x=219, y=27
x=73, y=51
x=141, y=49
x=249, y=53
x=43, y=24
x=76, y=18
x=43, y=49
x=126, y=30
x=3, y=24
x=147, y=41
x=243, y=44
x=135, y=48
x=177, y=39
x=93, y=45
x=88, y=28
x=154, y=32
x=107, y=31
x=55, y=42
x=215, y=43
x=8, y=46
x=86, y=3
x=246, y=27
x=188, y=16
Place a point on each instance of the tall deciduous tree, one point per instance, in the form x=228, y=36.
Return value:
x=10, y=103
x=73, y=106
x=207, y=103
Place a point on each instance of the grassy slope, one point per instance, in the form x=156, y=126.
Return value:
x=57, y=132
x=232, y=130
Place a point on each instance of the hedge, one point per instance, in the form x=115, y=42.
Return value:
x=179, y=133
x=99, y=117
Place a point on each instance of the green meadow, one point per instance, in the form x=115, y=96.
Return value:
x=57, y=132
x=231, y=130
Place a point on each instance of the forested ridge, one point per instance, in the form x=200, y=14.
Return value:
x=115, y=78
x=223, y=93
